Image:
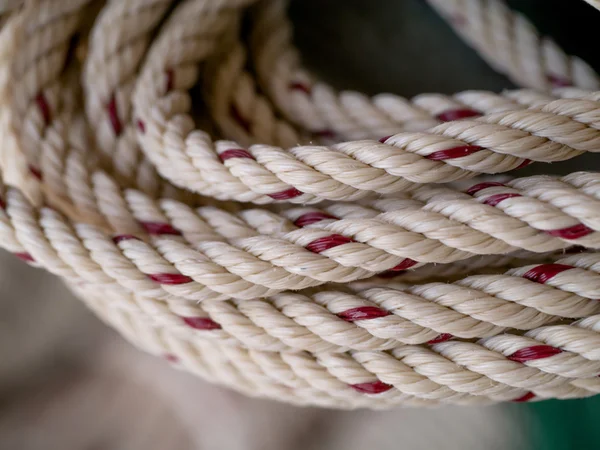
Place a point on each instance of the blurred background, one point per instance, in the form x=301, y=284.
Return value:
x=68, y=382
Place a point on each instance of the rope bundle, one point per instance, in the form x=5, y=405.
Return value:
x=320, y=286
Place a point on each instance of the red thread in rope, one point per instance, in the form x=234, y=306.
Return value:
x=113, y=115
x=44, y=107
x=24, y=257
x=493, y=200
x=170, y=278
x=286, y=195
x=235, y=153
x=385, y=138
x=2, y=204
x=481, y=186
x=327, y=242
x=457, y=114
x=201, y=323
x=545, y=272
x=362, y=313
x=124, y=237
x=299, y=86
x=171, y=358
x=440, y=338
x=374, y=387
x=534, y=352
x=575, y=232
x=170, y=81
x=557, y=81
x=312, y=217
x=36, y=172
x=141, y=126
x=525, y=398
x=160, y=228
x=326, y=134
x=406, y=263
x=239, y=118
x=456, y=152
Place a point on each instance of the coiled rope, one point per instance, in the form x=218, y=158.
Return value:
x=328, y=293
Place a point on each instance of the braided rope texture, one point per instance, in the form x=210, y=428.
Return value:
x=292, y=241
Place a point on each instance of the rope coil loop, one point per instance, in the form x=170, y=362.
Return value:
x=292, y=241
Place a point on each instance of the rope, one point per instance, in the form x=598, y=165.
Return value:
x=339, y=303
x=594, y=3
x=510, y=44
x=507, y=41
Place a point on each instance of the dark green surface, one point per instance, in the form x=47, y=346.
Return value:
x=563, y=424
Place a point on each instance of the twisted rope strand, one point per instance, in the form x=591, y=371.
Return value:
x=222, y=247
x=348, y=171
x=382, y=318
x=510, y=44
x=441, y=372
x=350, y=115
